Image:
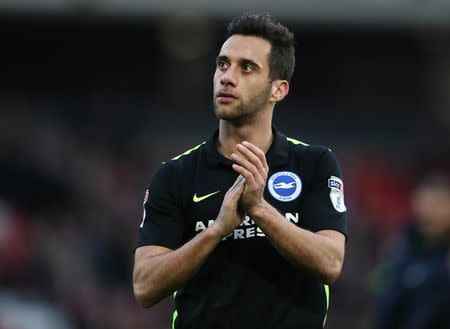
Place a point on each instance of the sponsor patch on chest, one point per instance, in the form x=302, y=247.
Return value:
x=247, y=229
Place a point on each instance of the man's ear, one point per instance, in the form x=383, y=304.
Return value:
x=280, y=88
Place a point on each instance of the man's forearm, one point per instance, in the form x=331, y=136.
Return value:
x=156, y=277
x=315, y=251
x=159, y=271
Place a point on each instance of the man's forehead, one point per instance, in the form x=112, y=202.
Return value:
x=248, y=47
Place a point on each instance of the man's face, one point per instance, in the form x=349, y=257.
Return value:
x=241, y=81
x=431, y=205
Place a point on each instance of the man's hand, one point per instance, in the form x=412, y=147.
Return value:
x=230, y=216
x=250, y=162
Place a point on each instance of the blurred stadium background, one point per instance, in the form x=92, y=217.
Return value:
x=94, y=95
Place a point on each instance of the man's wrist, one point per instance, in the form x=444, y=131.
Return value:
x=259, y=209
x=214, y=232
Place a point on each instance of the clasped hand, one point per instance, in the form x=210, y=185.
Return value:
x=250, y=162
x=247, y=192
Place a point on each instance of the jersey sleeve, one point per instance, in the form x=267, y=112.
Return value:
x=324, y=207
x=163, y=223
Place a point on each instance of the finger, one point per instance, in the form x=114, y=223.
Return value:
x=250, y=167
x=259, y=153
x=247, y=174
x=236, y=193
x=239, y=190
x=252, y=157
x=258, y=177
x=239, y=180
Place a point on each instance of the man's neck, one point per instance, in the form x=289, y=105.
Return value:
x=258, y=133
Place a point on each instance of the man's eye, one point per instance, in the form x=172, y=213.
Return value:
x=222, y=65
x=247, y=68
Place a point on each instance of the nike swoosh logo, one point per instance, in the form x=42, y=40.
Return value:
x=201, y=198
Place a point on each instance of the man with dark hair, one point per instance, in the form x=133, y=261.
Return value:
x=262, y=254
x=282, y=55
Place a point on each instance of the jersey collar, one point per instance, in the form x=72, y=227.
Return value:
x=277, y=155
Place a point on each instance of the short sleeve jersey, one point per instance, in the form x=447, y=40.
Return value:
x=245, y=283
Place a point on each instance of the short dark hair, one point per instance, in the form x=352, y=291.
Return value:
x=282, y=54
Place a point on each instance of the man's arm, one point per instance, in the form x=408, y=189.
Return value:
x=159, y=271
x=322, y=252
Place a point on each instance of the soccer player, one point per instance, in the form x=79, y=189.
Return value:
x=248, y=228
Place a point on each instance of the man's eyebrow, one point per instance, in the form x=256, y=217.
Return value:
x=242, y=61
x=251, y=62
x=222, y=58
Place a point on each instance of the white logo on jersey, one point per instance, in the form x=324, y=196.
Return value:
x=247, y=229
x=337, y=193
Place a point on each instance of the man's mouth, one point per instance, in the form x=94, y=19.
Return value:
x=225, y=97
x=225, y=94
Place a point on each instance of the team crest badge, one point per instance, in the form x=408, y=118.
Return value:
x=337, y=193
x=285, y=186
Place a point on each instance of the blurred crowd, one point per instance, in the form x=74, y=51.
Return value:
x=69, y=212
x=73, y=174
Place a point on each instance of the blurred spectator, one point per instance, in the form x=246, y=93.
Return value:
x=415, y=284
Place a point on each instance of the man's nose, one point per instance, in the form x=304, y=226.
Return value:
x=229, y=77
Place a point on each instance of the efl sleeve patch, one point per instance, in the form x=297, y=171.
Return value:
x=144, y=213
x=337, y=193
x=323, y=205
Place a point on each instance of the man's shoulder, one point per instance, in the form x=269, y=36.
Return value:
x=178, y=166
x=302, y=149
x=189, y=153
x=184, y=159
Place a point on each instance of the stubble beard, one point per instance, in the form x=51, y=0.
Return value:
x=244, y=112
